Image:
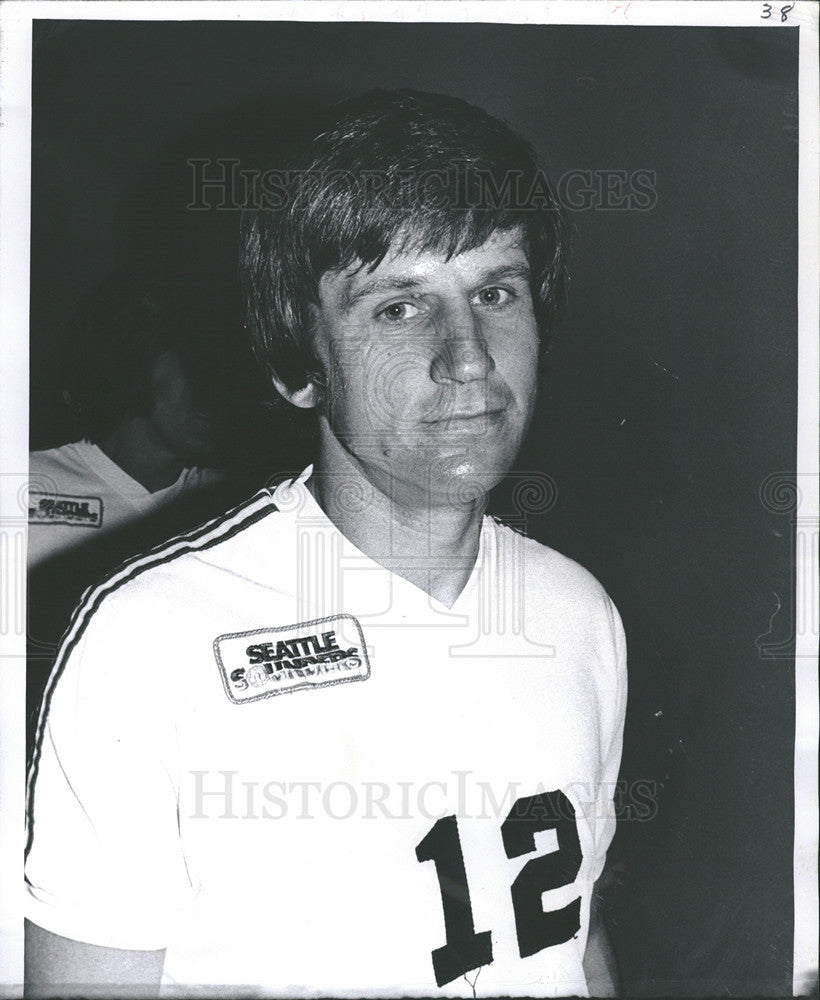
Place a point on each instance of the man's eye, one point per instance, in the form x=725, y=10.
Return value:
x=493, y=297
x=398, y=312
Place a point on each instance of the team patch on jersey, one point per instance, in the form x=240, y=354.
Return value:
x=59, y=508
x=270, y=661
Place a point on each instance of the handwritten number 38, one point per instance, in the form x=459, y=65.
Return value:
x=536, y=929
x=784, y=12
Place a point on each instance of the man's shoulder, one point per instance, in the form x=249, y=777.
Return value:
x=168, y=573
x=546, y=567
x=135, y=629
x=61, y=457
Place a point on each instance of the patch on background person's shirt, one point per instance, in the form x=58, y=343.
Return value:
x=61, y=508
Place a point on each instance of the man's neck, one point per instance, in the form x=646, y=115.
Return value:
x=133, y=446
x=434, y=547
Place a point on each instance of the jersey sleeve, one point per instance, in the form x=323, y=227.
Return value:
x=611, y=740
x=104, y=862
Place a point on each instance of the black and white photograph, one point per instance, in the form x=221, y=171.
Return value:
x=409, y=526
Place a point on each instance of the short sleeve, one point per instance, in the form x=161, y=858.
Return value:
x=611, y=740
x=104, y=862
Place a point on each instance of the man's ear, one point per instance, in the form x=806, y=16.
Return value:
x=305, y=398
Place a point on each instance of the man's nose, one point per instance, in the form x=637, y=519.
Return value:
x=461, y=350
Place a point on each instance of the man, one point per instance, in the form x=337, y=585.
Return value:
x=149, y=430
x=354, y=738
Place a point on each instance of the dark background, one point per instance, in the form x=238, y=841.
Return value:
x=670, y=396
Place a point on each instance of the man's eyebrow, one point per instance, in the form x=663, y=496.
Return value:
x=379, y=286
x=504, y=271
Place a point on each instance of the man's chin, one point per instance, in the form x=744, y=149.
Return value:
x=455, y=480
x=416, y=474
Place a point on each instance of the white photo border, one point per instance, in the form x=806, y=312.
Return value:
x=16, y=17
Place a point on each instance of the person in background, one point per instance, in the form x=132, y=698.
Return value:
x=149, y=433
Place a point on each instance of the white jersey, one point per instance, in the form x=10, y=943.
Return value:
x=77, y=493
x=303, y=776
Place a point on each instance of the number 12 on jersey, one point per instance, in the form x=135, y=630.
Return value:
x=536, y=929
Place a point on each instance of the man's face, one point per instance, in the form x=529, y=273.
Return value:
x=186, y=428
x=431, y=367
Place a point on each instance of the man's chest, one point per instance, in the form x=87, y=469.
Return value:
x=379, y=818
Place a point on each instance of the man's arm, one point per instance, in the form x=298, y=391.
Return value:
x=599, y=961
x=60, y=966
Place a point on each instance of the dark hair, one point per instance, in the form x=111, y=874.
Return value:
x=110, y=344
x=389, y=169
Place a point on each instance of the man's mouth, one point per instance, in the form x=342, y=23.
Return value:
x=467, y=420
